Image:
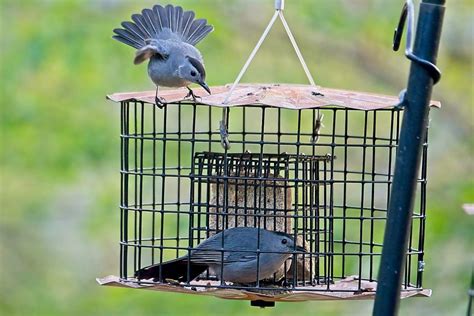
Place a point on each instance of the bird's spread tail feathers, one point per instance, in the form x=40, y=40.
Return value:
x=162, y=23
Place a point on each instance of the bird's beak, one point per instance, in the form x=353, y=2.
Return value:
x=300, y=249
x=205, y=87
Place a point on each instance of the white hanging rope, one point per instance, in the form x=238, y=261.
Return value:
x=279, y=5
x=296, y=48
x=252, y=55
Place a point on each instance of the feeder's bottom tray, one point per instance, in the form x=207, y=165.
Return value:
x=346, y=289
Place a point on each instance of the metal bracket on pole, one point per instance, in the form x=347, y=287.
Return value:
x=409, y=11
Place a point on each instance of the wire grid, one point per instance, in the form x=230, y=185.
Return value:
x=165, y=200
x=255, y=190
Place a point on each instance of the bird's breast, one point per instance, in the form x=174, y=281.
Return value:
x=246, y=271
x=163, y=73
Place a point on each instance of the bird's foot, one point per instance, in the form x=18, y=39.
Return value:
x=192, y=95
x=172, y=281
x=160, y=102
x=323, y=280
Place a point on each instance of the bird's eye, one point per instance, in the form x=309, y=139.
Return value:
x=193, y=73
x=284, y=241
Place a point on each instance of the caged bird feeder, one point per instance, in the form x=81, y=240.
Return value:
x=312, y=162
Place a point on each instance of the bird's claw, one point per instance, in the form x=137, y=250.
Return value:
x=192, y=95
x=172, y=281
x=160, y=102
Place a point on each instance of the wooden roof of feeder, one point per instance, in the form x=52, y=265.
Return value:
x=287, y=96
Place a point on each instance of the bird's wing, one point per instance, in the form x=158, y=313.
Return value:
x=215, y=256
x=210, y=251
x=241, y=257
x=208, y=256
x=153, y=48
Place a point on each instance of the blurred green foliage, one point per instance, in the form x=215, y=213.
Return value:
x=60, y=150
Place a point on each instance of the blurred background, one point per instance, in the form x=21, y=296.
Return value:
x=59, y=168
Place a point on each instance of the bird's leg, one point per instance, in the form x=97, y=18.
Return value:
x=192, y=95
x=159, y=101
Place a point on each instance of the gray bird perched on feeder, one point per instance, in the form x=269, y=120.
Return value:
x=231, y=255
x=167, y=36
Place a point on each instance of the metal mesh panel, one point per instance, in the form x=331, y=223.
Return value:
x=179, y=186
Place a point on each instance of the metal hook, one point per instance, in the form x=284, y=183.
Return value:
x=408, y=10
x=398, y=33
x=223, y=129
x=317, y=127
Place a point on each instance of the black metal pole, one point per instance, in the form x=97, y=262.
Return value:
x=412, y=136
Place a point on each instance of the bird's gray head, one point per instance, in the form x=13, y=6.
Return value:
x=193, y=71
x=278, y=242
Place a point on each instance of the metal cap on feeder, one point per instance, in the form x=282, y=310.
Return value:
x=279, y=5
